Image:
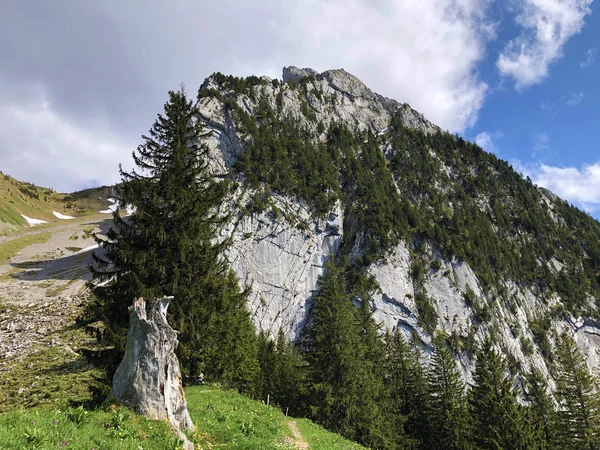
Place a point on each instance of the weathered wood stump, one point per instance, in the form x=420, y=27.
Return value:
x=149, y=379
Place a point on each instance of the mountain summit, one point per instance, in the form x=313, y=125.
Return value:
x=451, y=238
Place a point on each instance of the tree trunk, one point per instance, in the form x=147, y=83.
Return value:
x=148, y=379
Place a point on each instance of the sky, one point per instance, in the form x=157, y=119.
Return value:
x=80, y=82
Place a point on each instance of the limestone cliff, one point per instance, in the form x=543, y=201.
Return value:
x=280, y=252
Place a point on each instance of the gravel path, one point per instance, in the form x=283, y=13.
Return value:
x=43, y=287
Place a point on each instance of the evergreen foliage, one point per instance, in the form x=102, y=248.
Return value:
x=447, y=405
x=499, y=422
x=345, y=377
x=578, y=424
x=168, y=247
x=282, y=374
x=474, y=206
x=542, y=410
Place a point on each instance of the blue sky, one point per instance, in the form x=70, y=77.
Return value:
x=81, y=81
x=549, y=130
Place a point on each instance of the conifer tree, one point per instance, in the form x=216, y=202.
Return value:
x=541, y=409
x=407, y=391
x=577, y=397
x=447, y=406
x=498, y=420
x=345, y=393
x=168, y=246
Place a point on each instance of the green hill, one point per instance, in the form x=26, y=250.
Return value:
x=18, y=198
x=223, y=419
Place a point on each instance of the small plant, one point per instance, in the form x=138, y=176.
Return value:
x=35, y=436
x=118, y=421
x=76, y=415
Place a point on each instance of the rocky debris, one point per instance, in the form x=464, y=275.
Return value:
x=148, y=378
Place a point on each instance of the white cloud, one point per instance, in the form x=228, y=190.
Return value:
x=541, y=143
x=590, y=57
x=571, y=99
x=39, y=145
x=574, y=98
x=547, y=26
x=424, y=53
x=487, y=140
x=580, y=186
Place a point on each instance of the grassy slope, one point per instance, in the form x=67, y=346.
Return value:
x=223, y=419
x=18, y=197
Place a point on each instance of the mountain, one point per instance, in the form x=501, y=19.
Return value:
x=452, y=238
x=20, y=201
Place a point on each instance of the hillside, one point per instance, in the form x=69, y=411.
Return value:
x=454, y=239
x=224, y=419
x=19, y=199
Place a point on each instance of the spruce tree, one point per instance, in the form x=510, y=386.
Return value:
x=345, y=392
x=169, y=246
x=577, y=397
x=498, y=421
x=447, y=407
x=407, y=390
x=541, y=409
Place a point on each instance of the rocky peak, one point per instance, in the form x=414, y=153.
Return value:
x=293, y=73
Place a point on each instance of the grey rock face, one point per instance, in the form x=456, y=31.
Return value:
x=293, y=73
x=281, y=257
x=282, y=262
x=149, y=379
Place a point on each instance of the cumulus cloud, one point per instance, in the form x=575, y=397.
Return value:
x=580, y=186
x=487, y=140
x=112, y=62
x=590, y=58
x=424, y=53
x=37, y=144
x=547, y=26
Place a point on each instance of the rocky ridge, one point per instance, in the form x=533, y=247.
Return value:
x=282, y=261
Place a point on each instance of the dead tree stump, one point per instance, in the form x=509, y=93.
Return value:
x=149, y=379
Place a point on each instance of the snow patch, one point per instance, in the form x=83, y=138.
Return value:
x=111, y=208
x=62, y=216
x=33, y=222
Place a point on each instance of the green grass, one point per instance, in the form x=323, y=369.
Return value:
x=19, y=197
x=224, y=419
x=321, y=439
x=113, y=428
x=11, y=248
x=49, y=377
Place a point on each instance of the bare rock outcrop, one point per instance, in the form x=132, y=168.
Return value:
x=149, y=379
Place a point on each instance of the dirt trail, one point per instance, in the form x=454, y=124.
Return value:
x=297, y=436
x=42, y=287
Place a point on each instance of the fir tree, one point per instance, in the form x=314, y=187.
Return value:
x=577, y=396
x=407, y=391
x=447, y=407
x=498, y=420
x=168, y=246
x=345, y=391
x=541, y=409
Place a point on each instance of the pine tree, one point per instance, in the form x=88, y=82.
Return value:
x=577, y=397
x=447, y=407
x=407, y=390
x=168, y=246
x=541, y=409
x=345, y=392
x=498, y=421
